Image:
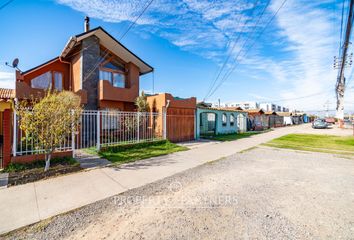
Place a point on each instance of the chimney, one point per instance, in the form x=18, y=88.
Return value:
x=87, y=24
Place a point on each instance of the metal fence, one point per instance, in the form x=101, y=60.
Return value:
x=98, y=129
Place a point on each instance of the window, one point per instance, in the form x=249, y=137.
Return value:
x=119, y=80
x=48, y=80
x=112, y=70
x=104, y=75
x=43, y=81
x=232, y=119
x=58, y=81
x=224, y=119
x=116, y=79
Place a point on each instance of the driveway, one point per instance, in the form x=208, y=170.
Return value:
x=263, y=193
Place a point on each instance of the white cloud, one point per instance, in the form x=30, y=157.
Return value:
x=7, y=80
x=199, y=26
x=309, y=32
x=296, y=50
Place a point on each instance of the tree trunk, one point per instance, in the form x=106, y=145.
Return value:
x=47, y=161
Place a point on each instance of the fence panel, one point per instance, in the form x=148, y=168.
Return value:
x=129, y=127
x=97, y=129
x=26, y=144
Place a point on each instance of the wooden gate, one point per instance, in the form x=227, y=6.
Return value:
x=180, y=124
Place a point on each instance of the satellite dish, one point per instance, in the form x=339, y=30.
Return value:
x=15, y=63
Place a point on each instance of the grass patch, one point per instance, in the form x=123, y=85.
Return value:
x=232, y=136
x=128, y=153
x=18, y=167
x=315, y=143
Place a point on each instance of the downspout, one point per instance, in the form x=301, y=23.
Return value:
x=70, y=71
x=71, y=43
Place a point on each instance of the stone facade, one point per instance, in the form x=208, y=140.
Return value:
x=90, y=70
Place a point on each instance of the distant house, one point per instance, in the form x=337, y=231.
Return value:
x=215, y=121
x=92, y=64
x=275, y=120
x=257, y=120
x=287, y=118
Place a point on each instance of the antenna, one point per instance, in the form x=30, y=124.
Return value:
x=14, y=64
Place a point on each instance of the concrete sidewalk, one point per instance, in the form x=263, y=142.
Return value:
x=32, y=202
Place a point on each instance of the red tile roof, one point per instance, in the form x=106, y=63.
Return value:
x=6, y=93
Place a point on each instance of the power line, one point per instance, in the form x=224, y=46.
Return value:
x=233, y=47
x=341, y=27
x=106, y=52
x=5, y=4
x=134, y=22
x=254, y=42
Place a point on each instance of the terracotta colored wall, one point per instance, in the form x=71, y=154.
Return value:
x=107, y=92
x=117, y=105
x=180, y=116
x=7, y=128
x=54, y=66
x=76, y=73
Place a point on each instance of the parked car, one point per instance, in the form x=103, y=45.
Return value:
x=319, y=123
x=330, y=120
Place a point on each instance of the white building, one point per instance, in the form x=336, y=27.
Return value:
x=273, y=107
x=243, y=105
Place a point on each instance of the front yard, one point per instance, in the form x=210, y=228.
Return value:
x=20, y=173
x=128, y=153
x=315, y=143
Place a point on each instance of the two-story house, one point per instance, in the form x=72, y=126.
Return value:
x=92, y=64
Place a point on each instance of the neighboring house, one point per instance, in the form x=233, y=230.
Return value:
x=274, y=119
x=180, y=115
x=214, y=121
x=287, y=118
x=6, y=102
x=257, y=120
x=92, y=64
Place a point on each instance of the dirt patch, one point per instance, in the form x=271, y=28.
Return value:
x=32, y=175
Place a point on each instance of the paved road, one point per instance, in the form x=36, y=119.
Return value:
x=30, y=203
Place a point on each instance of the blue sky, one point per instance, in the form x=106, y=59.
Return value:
x=187, y=42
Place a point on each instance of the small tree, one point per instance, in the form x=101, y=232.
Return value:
x=142, y=103
x=50, y=120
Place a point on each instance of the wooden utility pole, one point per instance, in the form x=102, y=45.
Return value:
x=340, y=85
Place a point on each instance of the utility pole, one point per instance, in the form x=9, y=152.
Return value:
x=340, y=85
